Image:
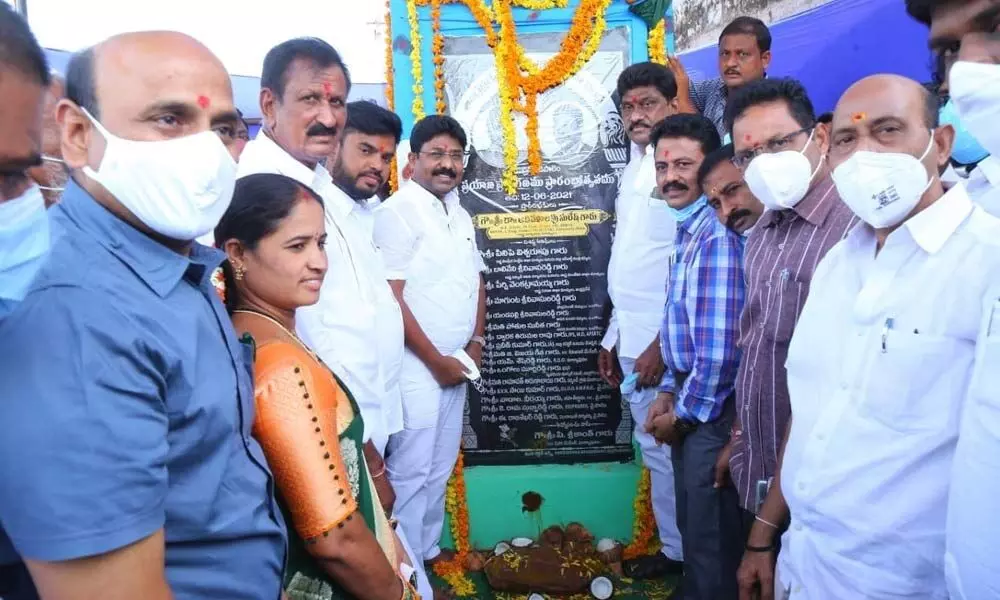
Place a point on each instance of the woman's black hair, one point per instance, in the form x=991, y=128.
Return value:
x=260, y=203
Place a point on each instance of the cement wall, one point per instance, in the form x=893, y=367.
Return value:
x=697, y=23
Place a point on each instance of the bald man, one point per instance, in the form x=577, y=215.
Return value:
x=52, y=174
x=888, y=351
x=126, y=458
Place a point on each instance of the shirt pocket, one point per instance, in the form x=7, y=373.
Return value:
x=785, y=297
x=659, y=225
x=913, y=379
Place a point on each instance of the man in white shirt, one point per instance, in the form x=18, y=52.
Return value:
x=356, y=327
x=637, y=279
x=963, y=34
x=429, y=246
x=881, y=361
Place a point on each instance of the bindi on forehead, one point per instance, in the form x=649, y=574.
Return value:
x=327, y=88
x=204, y=101
x=858, y=117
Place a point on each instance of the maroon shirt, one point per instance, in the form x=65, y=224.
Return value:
x=781, y=255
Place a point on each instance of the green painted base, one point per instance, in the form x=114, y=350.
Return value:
x=600, y=496
x=625, y=589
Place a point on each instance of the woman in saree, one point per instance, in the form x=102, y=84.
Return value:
x=341, y=544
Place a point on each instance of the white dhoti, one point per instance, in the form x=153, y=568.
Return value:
x=422, y=456
x=661, y=470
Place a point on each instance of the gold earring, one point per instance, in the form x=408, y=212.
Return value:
x=239, y=272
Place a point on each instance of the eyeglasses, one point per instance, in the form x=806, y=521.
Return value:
x=438, y=155
x=772, y=146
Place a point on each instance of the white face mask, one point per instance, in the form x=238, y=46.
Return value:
x=975, y=90
x=781, y=180
x=179, y=188
x=24, y=242
x=882, y=188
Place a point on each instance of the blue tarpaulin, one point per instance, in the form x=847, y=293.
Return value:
x=832, y=46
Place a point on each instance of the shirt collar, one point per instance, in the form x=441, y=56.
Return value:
x=931, y=228
x=990, y=168
x=338, y=203
x=450, y=200
x=693, y=222
x=159, y=267
x=264, y=155
x=815, y=207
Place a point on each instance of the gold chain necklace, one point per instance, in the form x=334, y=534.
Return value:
x=280, y=326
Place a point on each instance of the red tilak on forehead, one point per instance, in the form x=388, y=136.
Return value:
x=203, y=101
x=665, y=154
x=633, y=99
x=327, y=88
x=858, y=117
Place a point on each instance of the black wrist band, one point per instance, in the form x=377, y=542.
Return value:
x=750, y=548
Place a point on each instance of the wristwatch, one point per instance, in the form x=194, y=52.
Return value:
x=478, y=339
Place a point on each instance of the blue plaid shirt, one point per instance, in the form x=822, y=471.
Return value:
x=701, y=320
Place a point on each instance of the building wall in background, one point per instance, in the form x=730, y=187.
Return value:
x=698, y=23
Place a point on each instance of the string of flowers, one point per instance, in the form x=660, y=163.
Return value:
x=415, y=62
x=519, y=79
x=657, y=42
x=437, y=45
x=644, y=539
x=455, y=502
x=541, y=4
x=390, y=96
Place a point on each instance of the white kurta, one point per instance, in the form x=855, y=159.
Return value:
x=431, y=245
x=878, y=372
x=356, y=327
x=637, y=284
x=984, y=185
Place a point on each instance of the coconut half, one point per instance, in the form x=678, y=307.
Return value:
x=501, y=548
x=606, y=544
x=521, y=542
x=602, y=588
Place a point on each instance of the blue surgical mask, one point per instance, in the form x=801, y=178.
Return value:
x=966, y=150
x=682, y=214
x=24, y=243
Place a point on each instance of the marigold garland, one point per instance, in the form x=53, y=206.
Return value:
x=657, y=42
x=390, y=98
x=437, y=45
x=644, y=538
x=415, y=61
x=456, y=504
x=519, y=79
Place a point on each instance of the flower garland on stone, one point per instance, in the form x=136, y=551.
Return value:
x=415, y=62
x=437, y=45
x=390, y=98
x=657, y=42
x=456, y=504
x=644, y=538
x=520, y=81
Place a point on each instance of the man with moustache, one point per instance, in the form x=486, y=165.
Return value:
x=744, y=55
x=356, y=328
x=892, y=358
x=637, y=277
x=359, y=168
x=125, y=431
x=781, y=148
x=694, y=409
x=964, y=35
x=727, y=193
x=429, y=246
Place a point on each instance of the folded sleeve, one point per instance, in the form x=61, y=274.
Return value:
x=83, y=428
x=296, y=425
x=395, y=240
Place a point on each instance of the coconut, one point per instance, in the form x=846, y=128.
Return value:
x=575, y=532
x=602, y=588
x=553, y=536
x=501, y=548
x=521, y=542
x=611, y=552
x=536, y=597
